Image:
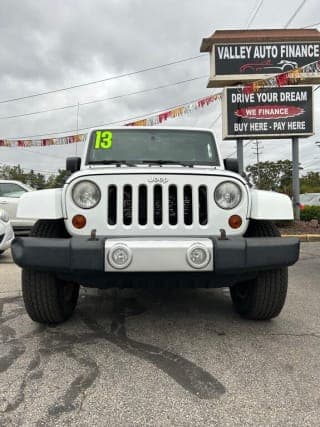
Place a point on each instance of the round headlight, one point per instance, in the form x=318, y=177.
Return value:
x=227, y=195
x=4, y=216
x=86, y=194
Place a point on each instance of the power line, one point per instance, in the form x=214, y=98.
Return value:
x=256, y=10
x=215, y=120
x=103, y=99
x=128, y=119
x=313, y=25
x=119, y=76
x=143, y=70
x=104, y=80
x=27, y=149
x=249, y=23
x=29, y=169
x=42, y=154
x=246, y=144
x=234, y=152
x=295, y=13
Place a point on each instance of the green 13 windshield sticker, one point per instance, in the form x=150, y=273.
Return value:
x=103, y=140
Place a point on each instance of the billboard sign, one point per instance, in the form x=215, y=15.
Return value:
x=263, y=58
x=241, y=56
x=279, y=112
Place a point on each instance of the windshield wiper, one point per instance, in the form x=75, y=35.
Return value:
x=167, y=162
x=113, y=162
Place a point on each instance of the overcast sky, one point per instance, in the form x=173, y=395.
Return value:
x=48, y=45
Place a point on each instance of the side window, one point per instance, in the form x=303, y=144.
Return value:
x=11, y=190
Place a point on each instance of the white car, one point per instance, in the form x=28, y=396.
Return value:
x=10, y=193
x=6, y=231
x=310, y=199
x=152, y=207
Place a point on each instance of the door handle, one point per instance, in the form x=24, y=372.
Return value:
x=3, y=203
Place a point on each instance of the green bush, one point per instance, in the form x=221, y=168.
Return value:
x=310, y=212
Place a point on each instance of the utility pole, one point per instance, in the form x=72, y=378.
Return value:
x=257, y=151
x=240, y=155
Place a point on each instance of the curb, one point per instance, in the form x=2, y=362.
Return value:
x=304, y=237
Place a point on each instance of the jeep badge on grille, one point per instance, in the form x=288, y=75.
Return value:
x=158, y=179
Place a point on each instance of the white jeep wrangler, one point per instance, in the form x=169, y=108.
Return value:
x=148, y=207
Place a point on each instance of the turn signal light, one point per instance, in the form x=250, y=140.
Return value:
x=79, y=221
x=235, y=221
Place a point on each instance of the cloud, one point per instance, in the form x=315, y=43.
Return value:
x=46, y=45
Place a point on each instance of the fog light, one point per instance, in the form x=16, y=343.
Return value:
x=79, y=221
x=120, y=256
x=235, y=221
x=198, y=256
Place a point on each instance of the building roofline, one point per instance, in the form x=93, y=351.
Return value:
x=256, y=36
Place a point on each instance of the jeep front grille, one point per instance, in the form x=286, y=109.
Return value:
x=157, y=205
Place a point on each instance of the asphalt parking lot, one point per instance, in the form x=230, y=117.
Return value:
x=163, y=358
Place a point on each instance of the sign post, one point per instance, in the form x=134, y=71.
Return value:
x=295, y=178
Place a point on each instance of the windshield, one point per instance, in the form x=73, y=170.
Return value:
x=154, y=145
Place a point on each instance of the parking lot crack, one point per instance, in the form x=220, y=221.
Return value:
x=186, y=373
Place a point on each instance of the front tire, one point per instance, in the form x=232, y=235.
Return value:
x=48, y=299
x=261, y=298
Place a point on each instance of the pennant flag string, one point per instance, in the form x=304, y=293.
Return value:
x=177, y=111
x=150, y=121
x=42, y=142
x=282, y=79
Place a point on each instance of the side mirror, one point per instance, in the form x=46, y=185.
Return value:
x=73, y=164
x=231, y=165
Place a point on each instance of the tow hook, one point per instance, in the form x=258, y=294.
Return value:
x=223, y=234
x=93, y=235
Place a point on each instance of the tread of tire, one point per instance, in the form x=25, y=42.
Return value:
x=269, y=299
x=40, y=290
x=49, y=228
x=262, y=229
x=270, y=288
x=39, y=294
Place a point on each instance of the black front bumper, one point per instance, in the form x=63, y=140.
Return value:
x=80, y=255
